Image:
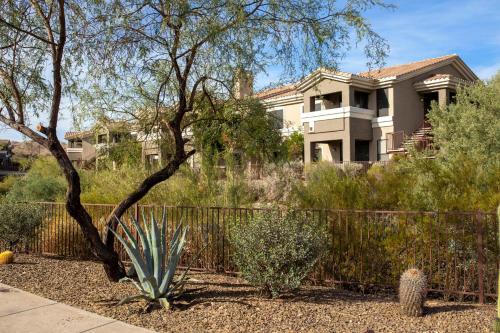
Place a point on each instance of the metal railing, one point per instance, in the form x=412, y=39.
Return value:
x=395, y=140
x=367, y=249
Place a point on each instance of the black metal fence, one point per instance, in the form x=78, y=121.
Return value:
x=369, y=249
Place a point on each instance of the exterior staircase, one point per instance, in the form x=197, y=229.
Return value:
x=398, y=142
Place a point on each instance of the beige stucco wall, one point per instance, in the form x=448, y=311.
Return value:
x=88, y=152
x=348, y=130
x=379, y=133
x=327, y=87
x=291, y=114
x=408, y=108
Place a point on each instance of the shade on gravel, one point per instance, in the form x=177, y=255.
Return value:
x=218, y=303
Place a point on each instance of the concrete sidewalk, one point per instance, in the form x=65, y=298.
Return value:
x=22, y=312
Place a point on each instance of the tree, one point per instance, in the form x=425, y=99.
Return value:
x=161, y=56
x=243, y=127
x=33, y=37
x=463, y=175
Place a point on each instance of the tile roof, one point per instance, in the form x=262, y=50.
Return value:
x=399, y=70
x=283, y=91
x=74, y=135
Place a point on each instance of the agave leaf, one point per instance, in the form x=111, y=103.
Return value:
x=132, y=298
x=164, y=303
x=156, y=249
x=131, y=238
x=175, y=237
x=163, y=238
x=151, y=286
x=173, y=262
x=137, y=285
x=143, y=238
x=135, y=256
x=179, y=284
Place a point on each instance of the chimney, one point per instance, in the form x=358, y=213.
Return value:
x=243, y=84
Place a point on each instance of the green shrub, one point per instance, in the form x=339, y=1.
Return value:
x=43, y=182
x=276, y=252
x=18, y=222
x=329, y=187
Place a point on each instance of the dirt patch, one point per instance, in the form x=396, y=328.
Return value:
x=218, y=303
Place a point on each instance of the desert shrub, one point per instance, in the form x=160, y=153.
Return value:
x=43, y=182
x=329, y=187
x=277, y=251
x=18, y=222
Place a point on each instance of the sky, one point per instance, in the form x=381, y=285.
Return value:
x=415, y=30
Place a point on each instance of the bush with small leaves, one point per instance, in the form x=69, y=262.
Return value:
x=18, y=222
x=277, y=251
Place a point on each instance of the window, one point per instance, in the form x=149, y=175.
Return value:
x=75, y=143
x=452, y=97
x=318, y=153
x=101, y=138
x=317, y=106
x=361, y=99
x=382, y=102
x=277, y=116
x=361, y=150
x=382, y=150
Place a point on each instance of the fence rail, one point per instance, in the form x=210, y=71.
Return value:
x=457, y=250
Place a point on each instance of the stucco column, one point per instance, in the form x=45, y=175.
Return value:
x=347, y=147
x=443, y=97
x=308, y=151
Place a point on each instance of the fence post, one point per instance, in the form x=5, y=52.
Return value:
x=481, y=258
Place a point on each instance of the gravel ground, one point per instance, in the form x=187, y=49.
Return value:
x=218, y=303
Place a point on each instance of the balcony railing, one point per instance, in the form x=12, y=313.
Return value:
x=74, y=150
x=395, y=141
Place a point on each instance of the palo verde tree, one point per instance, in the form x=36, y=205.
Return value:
x=33, y=65
x=158, y=55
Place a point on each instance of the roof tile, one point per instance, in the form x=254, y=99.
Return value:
x=399, y=70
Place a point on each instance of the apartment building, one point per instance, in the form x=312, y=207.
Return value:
x=85, y=147
x=345, y=117
x=367, y=116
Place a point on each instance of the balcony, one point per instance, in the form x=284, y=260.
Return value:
x=74, y=149
x=395, y=142
x=336, y=113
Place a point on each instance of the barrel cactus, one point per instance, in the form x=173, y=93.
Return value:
x=412, y=292
x=6, y=257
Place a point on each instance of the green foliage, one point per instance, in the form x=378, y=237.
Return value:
x=470, y=127
x=277, y=252
x=18, y=222
x=465, y=171
x=327, y=186
x=6, y=184
x=127, y=152
x=294, y=146
x=43, y=182
x=154, y=263
x=242, y=127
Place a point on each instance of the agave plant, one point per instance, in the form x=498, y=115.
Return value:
x=155, y=270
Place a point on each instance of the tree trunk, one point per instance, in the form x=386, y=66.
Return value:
x=112, y=265
x=139, y=193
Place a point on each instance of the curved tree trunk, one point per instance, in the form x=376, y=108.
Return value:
x=138, y=194
x=112, y=265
